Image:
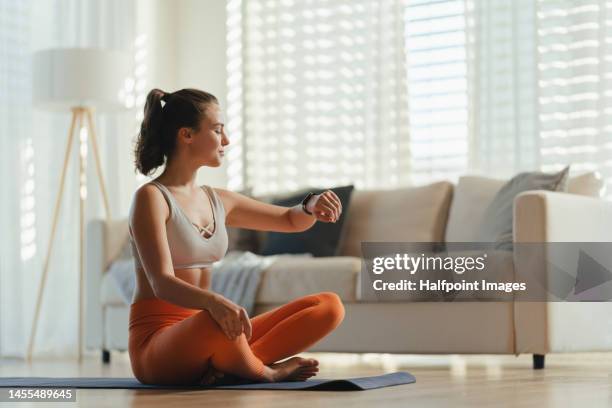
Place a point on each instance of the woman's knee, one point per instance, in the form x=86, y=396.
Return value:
x=333, y=308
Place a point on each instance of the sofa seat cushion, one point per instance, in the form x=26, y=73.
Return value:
x=285, y=280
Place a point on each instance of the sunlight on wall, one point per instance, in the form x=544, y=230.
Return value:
x=28, y=202
x=140, y=86
x=234, y=125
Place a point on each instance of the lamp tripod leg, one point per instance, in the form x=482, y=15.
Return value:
x=76, y=114
x=82, y=175
x=94, y=145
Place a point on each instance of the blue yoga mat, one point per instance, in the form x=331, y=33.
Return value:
x=348, y=384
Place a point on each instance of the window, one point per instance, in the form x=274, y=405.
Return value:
x=332, y=92
x=437, y=75
x=320, y=89
x=575, y=74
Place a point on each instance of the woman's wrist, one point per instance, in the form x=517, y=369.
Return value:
x=210, y=300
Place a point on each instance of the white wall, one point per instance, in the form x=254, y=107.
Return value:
x=201, y=60
x=157, y=20
x=186, y=49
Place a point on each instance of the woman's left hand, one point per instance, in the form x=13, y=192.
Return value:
x=325, y=206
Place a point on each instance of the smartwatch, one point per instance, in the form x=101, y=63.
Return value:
x=305, y=201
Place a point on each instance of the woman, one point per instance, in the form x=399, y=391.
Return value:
x=180, y=332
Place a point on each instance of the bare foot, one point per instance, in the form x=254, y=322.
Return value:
x=294, y=369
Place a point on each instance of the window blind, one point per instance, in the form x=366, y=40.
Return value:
x=502, y=79
x=437, y=84
x=575, y=74
x=317, y=94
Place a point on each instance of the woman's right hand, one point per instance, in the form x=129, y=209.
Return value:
x=232, y=318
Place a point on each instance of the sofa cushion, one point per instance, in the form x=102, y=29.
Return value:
x=283, y=281
x=496, y=224
x=471, y=198
x=320, y=240
x=408, y=214
x=588, y=184
x=287, y=279
x=240, y=239
x=473, y=194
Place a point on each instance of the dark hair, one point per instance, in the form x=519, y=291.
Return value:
x=157, y=137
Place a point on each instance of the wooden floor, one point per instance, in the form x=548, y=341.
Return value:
x=569, y=380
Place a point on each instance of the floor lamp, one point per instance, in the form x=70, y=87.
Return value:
x=81, y=81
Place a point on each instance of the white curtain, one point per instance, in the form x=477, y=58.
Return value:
x=317, y=94
x=502, y=40
x=540, y=74
x=437, y=88
x=574, y=85
x=32, y=150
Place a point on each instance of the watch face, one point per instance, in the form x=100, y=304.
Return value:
x=305, y=202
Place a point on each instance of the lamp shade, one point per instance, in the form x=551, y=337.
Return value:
x=64, y=78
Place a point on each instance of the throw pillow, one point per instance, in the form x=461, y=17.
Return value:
x=240, y=239
x=496, y=226
x=319, y=240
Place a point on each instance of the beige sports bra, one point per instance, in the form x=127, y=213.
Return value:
x=190, y=245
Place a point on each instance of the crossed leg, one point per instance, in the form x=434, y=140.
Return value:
x=290, y=329
x=295, y=326
x=180, y=353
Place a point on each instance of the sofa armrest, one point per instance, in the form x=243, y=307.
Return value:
x=94, y=261
x=543, y=327
x=546, y=216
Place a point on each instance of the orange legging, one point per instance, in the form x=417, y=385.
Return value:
x=169, y=344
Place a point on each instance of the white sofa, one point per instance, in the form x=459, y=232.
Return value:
x=432, y=213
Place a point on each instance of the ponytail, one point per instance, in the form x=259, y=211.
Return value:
x=149, y=150
x=157, y=138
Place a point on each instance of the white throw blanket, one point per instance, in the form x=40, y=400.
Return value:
x=236, y=276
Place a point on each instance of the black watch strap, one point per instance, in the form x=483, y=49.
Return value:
x=305, y=202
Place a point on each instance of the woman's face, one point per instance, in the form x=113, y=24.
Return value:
x=209, y=142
